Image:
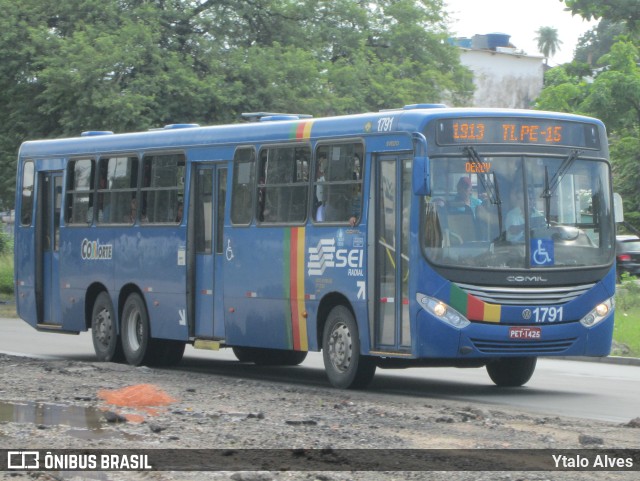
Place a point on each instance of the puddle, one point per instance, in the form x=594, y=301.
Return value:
x=85, y=422
x=89, y=422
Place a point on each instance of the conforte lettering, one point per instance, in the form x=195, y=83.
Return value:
x=94, y=251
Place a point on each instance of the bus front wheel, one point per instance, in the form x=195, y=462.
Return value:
x=136, y=334
x=346, y=368
x=104, y=333
x=511, y=372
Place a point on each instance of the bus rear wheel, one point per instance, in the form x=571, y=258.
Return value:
x=346, y=368
x=136, y=334
x=511, y=372
x=269, y=357
x=104, y=333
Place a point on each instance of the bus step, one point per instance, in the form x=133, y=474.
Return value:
x=207, y=344
x=46, y=327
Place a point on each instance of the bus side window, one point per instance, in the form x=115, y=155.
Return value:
x=242, y=190
x=283, y=184
x=338, y=183
x=79, y=192
x=117, y=188
x=162, y=188
x=26, y=209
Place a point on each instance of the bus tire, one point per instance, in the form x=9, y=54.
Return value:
x=511, y=372
x=346, y=368
x=136, y=333
x=104, y=332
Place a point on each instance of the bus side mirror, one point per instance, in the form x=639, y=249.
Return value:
x=421, y=182
x=618, y=212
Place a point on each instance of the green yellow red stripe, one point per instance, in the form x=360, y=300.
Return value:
x=298, y=322
x=302, y=130
x=473, y=308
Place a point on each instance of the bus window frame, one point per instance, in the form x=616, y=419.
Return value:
x=252, y=184
x=312, y=178
x=31, y=202
x=136, y=190
x=258, y=186
x=141, y=190
x=67, y=206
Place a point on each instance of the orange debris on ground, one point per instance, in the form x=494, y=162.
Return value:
x=141, y=397
x=136, y=396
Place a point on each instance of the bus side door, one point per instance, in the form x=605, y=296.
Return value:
x=48, y=249
x=207, y=226
x=391, y=331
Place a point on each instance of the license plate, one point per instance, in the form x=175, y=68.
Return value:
x=525, y=333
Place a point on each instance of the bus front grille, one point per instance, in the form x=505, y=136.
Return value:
x=526, y=295
x=510, y=347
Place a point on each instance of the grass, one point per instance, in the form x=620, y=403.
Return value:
x=7, y=300
x=626, y=333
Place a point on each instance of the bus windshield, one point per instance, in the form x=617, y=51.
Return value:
x=517, y=212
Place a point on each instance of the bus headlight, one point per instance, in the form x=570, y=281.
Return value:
x=598, y=313
x=442, y=311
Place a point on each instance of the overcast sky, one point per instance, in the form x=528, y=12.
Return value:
x=520, y=19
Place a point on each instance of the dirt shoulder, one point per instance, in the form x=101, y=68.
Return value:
x=56, y=404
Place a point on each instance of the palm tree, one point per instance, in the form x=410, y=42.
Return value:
x=548, y=42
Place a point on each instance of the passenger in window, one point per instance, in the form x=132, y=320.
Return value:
x=133, y=214
x=357, y=169
x=356, y=205
x=463, y=196
x=318, y=206
x=334, y=204
x=515, y=217
x=179, y=212
x=343, y=204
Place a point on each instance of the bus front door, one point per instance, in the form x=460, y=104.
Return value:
x=391, y=331
x=207, y=227
x=48, y=249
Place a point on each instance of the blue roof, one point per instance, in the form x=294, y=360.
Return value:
x=412, y=118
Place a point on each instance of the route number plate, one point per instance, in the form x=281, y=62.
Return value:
x=525, y=333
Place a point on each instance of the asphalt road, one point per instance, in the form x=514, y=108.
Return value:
x=589, y=390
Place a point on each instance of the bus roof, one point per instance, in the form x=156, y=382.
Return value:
x=278, y=128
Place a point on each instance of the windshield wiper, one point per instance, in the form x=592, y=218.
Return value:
x=489, y=186
x=551, y=185
x=557, y=178
x=546, y=194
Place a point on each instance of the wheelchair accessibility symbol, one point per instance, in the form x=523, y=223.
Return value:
x=542, y=252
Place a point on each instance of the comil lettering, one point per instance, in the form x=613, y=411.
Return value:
x=93, y=250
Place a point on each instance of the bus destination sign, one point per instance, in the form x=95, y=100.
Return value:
x=494, y=130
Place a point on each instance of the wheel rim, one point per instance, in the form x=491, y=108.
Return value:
x=340, y=347
x=134, y=330
x=103, y=327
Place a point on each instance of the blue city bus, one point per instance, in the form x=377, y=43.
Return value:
x=421, y=236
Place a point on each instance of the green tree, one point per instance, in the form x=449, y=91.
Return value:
x=614, y=95
x=625, y=11
x=597, y=41
x=563, y=92
x=548, y=42
x=123, y=65
x=625, y=152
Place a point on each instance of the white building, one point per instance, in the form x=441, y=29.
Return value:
x=503, y=76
